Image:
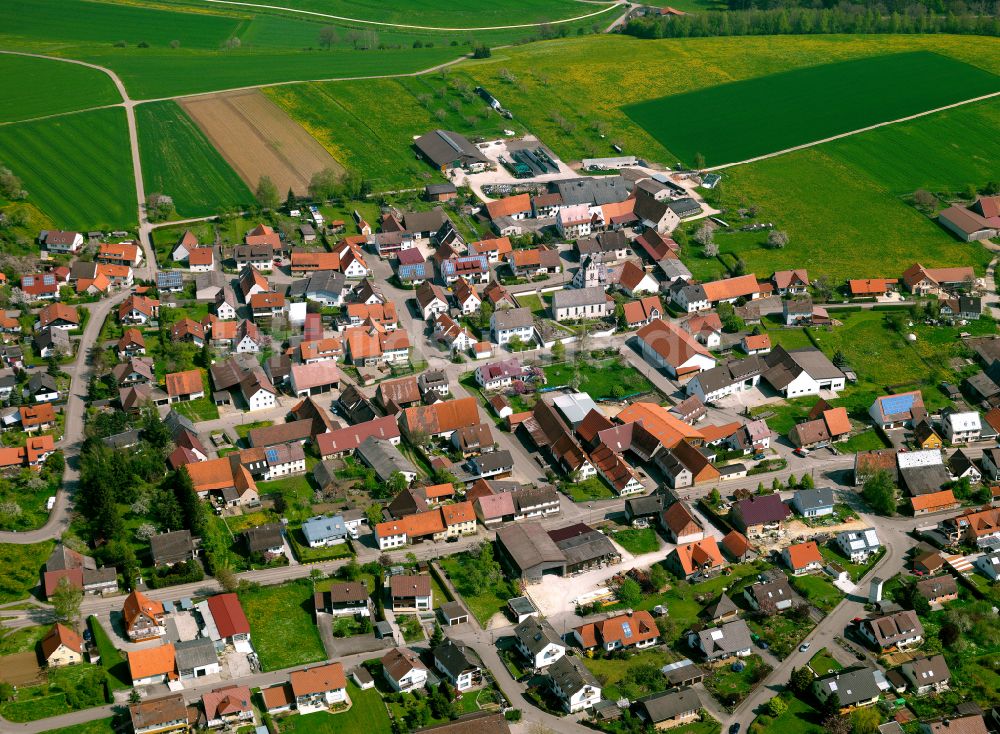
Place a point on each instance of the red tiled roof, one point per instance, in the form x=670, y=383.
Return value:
x=228, y=615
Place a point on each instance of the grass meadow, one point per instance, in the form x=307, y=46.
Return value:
x=21, y=564
x=379, y=146
x=178, y=160
x=32, y=87
x=77, y=169
x=281, y=624
x=724, y=122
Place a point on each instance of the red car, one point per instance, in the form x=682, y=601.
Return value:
x=857, y=620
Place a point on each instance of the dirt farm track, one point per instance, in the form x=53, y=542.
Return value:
x=257, y=138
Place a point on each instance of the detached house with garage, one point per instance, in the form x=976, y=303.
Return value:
x=898, y=631
x=538, y=643
x=573, y=684
x=757, y=515
x=720, y=643
x=144, y=617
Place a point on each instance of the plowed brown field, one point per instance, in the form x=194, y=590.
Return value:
x=258, y=139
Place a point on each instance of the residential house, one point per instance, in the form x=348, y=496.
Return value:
x=57, y=240
x=898, y=630
x=138, y=310
x=939, y=589
x=961, y=427
x=813, y=502
x=641, y=312
x=498, y=375
x=757, y=515
x=160, y=715
x=230, y=621
x=62, y=646
x=921, y=281
x=319, y=688
x=349, y=598
x=927, y=675
x=802, y=558
x=854, y=687
x=509, y=324
x=799, y=372
x=315, y=378
x=573, y=684
x=456, y=662
x=754, y=344
x=229, y=706
x=152, y=665
x=184, y=386
x=385, y=459
x=698, y=559
x=790, y=282
x=538, y=643
x=731, y=639
x=858, y=545
x=403, y=670
x=144, y=617
x=172, y=547
x=266, y=540
x=635, y=281
x=632, y=630
x=409, y=593
x=771, y=596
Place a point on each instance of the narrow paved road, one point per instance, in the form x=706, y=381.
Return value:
x=417, y=27
x=72, y=439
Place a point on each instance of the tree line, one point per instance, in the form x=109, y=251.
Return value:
x=845, y=18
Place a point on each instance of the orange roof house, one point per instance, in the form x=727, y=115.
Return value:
x=732, y=288
x=635, y=629
x=871, y=286
x=440, y=418
x=509, y=206
x=656, y=419
x=185, y=385
x=143, y=617
x=699, y=557
x=933, y=502
x=152, y=665
x=318, y=680
x=211, y=475
x=803, y=557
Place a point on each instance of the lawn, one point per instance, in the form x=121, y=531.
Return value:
x=799, y=718
x=101, y=726
x=822, y=663
x=367, y=714
x=380, y=147
x=22, y=565
x=483, y=600
x=32, y=87
x=818, y=591
x=64, y=690
x=637, y=541
x=297, y=493
x=831, y=554
x=796, y=104
x=410, y=627
x=112, y=659
x=865, y=441
x=781, y=632
x=22, y=639
x=179, y=161
x=243, y=429
x=588, y=490
x=77, y=169
x=282, y=626
x=624, y=676
x=685, y=602
x=604, y=379
x=732, y=686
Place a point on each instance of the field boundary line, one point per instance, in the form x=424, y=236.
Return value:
x=416, y=27
x=849, y=133
x=63, y=114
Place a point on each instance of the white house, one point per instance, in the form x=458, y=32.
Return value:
x=988, y=564
x=573, y=684
x=538, y=642
x=858, y=545
x=403, y=670
x=960, y=428
x=454, y=661
x=666, y=346
x=510, y=323
x=497, y=375
x=574, y=221
x=323, y=531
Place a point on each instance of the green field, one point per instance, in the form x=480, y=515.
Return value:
x=22, y=565
x=33, y=87
x=282, y=626
x=726, y=122
x=178, y=160
x=452, y=13
x=367, y=714
x=77, y=169
x=380, y=147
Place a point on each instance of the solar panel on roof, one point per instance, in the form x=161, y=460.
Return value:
x=627, y=629
x=48, y=279
x=272, y=455
x=897, y=404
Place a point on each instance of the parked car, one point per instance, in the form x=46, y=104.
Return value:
x=804, y=646
x=801, y=452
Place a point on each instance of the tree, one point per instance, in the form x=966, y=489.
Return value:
x=267, y=194
x=374, y=514
x=834, y=723
x=949, y=634
x=680, y=237
x=397, y=482
x=227, y=578
x=711, y=250
x=482, y=52
x=328, y=36
x=800, y=680
x=657, y=577
x=776, y=484
x=807, y=482
x=558, y=351
x=629, y=592
x=437, y=636
x=776, y=239
x=699, y=161
x=880, y=493
x=865, y=720
x=705, y=234
x=924, y=199
x=714, y=497
x=324, y=184
x=66, y=600
x=777, y=706
x=791, y=481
